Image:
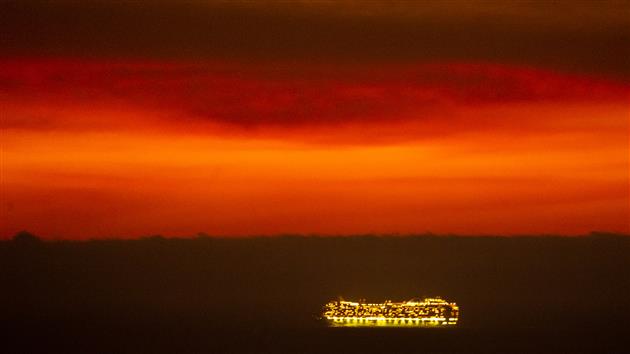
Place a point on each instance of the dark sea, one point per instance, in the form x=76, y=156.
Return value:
x=265, y=295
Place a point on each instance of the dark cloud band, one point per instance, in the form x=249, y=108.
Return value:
x=585, y=36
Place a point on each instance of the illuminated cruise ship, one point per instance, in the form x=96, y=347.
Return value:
x=426, y=312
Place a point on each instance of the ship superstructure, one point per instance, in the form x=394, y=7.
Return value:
x=429, y=311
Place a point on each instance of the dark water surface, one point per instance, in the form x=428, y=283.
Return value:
x=264, y=294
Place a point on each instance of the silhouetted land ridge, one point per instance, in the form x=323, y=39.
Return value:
x=218, y=294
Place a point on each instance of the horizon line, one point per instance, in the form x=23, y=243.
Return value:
x=205, y=236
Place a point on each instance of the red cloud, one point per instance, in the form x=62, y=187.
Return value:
x=242, y=96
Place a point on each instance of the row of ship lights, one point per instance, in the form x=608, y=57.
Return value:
x=433, y=320
x=430, y=320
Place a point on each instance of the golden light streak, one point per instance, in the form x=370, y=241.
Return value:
x=430, y=311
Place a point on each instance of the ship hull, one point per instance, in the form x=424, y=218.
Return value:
x=390, y=322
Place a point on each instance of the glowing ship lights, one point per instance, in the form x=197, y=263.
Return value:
x=426, y=312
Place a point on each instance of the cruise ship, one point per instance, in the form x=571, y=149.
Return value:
x=433, y=311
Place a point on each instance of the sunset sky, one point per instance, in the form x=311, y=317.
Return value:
x=127, y=120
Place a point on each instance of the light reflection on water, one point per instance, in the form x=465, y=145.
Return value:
x=359, y=322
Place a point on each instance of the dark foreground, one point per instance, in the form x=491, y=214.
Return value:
x=263, y=295
x=197, y=337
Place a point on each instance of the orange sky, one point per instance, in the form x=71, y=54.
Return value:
x=96, y=148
